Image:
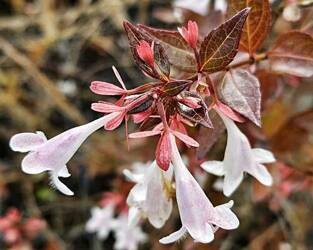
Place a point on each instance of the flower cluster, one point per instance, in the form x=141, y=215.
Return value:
x=103, y=221
x=17, y=232
x=165, y=107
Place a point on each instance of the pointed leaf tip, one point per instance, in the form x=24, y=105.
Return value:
x=220, y=46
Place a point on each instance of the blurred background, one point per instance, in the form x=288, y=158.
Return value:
x=50, y=51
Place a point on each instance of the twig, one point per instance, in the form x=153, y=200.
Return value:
x=42, y=80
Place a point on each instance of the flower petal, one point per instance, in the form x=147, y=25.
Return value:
x=144, y=134
x=25, y=142
x=158, y=205
x=174, y=236
x=137, y=194
x=105, y=107
x=231, y=183
x=64, y=172
x=32, y=165
x=59, y=185
x=115, y=121
x=263, y=156
x=261, y=173
x=133, y=216
x=140, y=117
x=224, y=217
x=105, y=88
x=214, y=167
x=131, y=176
x=205, y=236
x=185, y=138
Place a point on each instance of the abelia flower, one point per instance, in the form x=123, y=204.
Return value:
x=198, y=216
x=102, y=221
x=52, y=155
x=190, y=34
x=145, y=52
x=239, y=157
x=126, y=237
x=149, y=197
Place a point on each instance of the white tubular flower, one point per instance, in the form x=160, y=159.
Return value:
x=239, y=157
x=101, y=221
x=126, y=237
x=149, y=198
x=198, y=216
x=52, y=155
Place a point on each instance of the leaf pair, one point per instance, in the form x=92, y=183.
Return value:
x=216, y=51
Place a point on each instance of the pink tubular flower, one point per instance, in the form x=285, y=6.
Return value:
x=199, y=218
x=52, y=155
x=145, y=52
x=190, y=34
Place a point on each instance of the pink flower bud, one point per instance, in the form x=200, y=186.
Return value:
x=190, y=34
x=145, y=52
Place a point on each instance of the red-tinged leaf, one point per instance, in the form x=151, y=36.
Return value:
x=240, y=90
x=162, y=61
x=257, y=24
x=199, y=115
x=191, y=102
x=229, y=112
x=135, y=35
x=179, y=53
x=186, y=139
x=141, y=106
x=221, y=45
x=143, y=134
x=115, y=121
x=176, y=87
x=105, y=107
x=292, y=54
x=105, y=88
x=164, y=152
